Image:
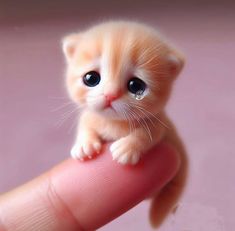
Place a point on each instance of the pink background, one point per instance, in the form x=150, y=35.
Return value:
x=32, y=138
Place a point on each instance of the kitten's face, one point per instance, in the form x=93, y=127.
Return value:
x=121, y=70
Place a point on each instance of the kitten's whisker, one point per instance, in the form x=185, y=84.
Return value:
x=65, y=116
x=146, y=116
x=152, y=115
x=74, y=123
x=62, y=106
x=150, y=118
x=126, y=117
x=132, y=117
x=128, y=120
x=129, y=115
x=143, y=124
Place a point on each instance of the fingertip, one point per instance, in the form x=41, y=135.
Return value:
x=103, y=186
x=85, y=195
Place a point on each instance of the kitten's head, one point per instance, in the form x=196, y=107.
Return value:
x=121, y=69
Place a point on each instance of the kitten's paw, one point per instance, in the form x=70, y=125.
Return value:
x=86, y=149
x=125, y=151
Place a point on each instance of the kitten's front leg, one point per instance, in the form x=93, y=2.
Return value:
x=129, y=149
x=88, y=143
x=125, y=151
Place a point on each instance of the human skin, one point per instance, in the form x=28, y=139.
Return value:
x=86, y=195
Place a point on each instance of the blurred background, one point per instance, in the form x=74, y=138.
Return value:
x=37, y=122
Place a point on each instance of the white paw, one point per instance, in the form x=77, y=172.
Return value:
x=125, y=152
x=86, y=149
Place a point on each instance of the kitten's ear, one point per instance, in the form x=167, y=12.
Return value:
x=69, y=44
x=175, y=61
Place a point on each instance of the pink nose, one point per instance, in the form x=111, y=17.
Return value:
x=110, y=98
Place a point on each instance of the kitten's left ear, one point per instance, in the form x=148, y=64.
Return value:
x=69, y=44
x=175, y=62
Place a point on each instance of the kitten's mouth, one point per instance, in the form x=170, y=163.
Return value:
x=108, y=104
x=109, y=107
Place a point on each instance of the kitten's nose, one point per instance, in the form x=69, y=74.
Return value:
x=110, y=98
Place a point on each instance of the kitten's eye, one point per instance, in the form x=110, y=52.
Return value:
x=91, y=79
x=136, y=86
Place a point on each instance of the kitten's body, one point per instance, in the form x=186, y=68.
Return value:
x=132, y=70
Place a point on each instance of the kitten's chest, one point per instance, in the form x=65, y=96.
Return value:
x=113, y=130
x=108, y=129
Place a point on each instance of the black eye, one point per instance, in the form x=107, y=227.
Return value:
x=136, y=86
x=91, y=79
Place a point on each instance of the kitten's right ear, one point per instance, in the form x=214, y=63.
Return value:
x=175, y=61
x=69, y=44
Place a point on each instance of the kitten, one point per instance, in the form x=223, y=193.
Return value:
x=121, y=75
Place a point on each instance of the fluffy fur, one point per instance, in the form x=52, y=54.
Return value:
x=119, y=51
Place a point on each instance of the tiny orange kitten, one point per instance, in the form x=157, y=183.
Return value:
x=121, y=74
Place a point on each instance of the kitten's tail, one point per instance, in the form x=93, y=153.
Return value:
x=165, y=201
